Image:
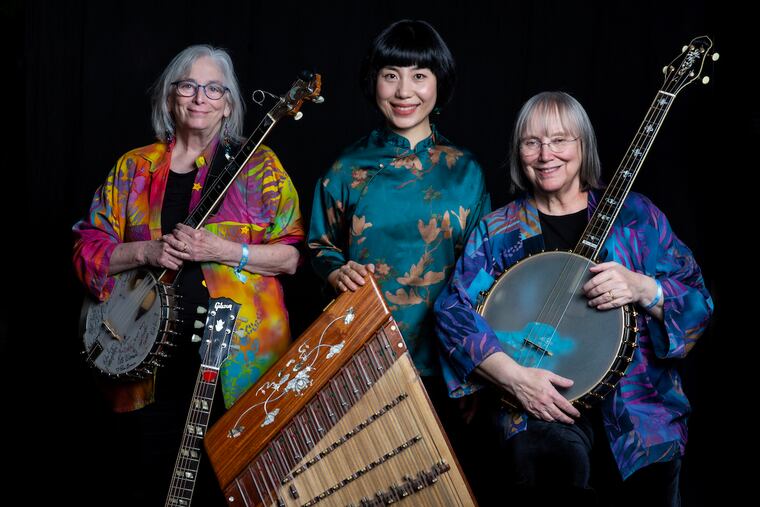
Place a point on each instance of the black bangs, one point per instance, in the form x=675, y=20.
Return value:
x=408, y=43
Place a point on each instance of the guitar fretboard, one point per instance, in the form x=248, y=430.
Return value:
x=189, y=456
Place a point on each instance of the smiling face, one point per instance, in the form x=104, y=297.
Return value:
x=552, y=174
x=199, y=114
x=406, y=96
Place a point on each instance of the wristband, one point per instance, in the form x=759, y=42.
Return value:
x=657, y=296
x=243, y=261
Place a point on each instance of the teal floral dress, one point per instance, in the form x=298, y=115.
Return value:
x=407, y=211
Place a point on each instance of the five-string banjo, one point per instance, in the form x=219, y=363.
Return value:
x=537, y=307
x=131, y=332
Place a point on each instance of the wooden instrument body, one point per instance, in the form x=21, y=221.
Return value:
x=341, y=418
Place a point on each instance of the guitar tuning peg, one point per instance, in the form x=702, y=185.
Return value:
x=235, y=347
x=198, y=324
x=665, y=69
x=195, y=338
x=683, y=49
x=298, y=116
x=715, y=57
x=240, y=333
x=200, y=310
x=319, y=99
x=705, y=79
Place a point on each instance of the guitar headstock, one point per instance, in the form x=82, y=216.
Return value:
x=217, y=335
x=688, y=66
x=306, y=87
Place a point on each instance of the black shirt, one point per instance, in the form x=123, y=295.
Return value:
x=562, y=232
x=182, y=367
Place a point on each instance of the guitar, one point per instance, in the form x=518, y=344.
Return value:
x=215, y=345
x=130, y=333
x=537, y=307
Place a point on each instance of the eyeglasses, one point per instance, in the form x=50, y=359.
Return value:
x=556, y=145
x=189, y=88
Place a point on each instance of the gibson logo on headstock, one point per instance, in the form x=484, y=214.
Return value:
x=219, y=305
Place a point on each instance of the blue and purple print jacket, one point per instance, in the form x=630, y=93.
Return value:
x=645, y=418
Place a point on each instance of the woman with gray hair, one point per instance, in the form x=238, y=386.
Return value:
x=136, y=220
x=626, y=449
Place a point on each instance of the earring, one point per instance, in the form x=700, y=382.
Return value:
x=226, y=141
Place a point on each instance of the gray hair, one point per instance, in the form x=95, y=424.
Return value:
x=573, y=119
x=178, y=68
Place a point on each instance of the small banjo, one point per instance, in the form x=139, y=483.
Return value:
x=130, y=333
x=537, y=308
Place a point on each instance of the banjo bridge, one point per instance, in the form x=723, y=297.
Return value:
x=538, y=347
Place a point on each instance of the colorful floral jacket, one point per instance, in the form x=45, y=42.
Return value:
x=260, y=207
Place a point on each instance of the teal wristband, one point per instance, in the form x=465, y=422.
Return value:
x=657, y=296
x=243, y=261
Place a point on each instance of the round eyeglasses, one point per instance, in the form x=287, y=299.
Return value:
x=189, y=88
x=556, y=145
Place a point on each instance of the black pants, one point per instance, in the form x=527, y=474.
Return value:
x=143, y=445
x=572, y=464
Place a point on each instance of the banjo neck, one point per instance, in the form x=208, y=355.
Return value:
x=679, y=73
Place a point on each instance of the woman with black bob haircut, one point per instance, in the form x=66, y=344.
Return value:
x=401, y=202
x=406, y=43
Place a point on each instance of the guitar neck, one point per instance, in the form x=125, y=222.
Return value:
x=189, y=456
x=216, y=189
x=598, y=228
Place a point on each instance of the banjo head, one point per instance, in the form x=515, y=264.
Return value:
x=120, y=333
x=542, y=319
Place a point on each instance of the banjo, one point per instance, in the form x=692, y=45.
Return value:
x=536, y=307
x=129, y=334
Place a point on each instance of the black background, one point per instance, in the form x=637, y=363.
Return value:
x=88, y=66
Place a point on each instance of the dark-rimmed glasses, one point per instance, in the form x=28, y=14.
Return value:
x=189, y=88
